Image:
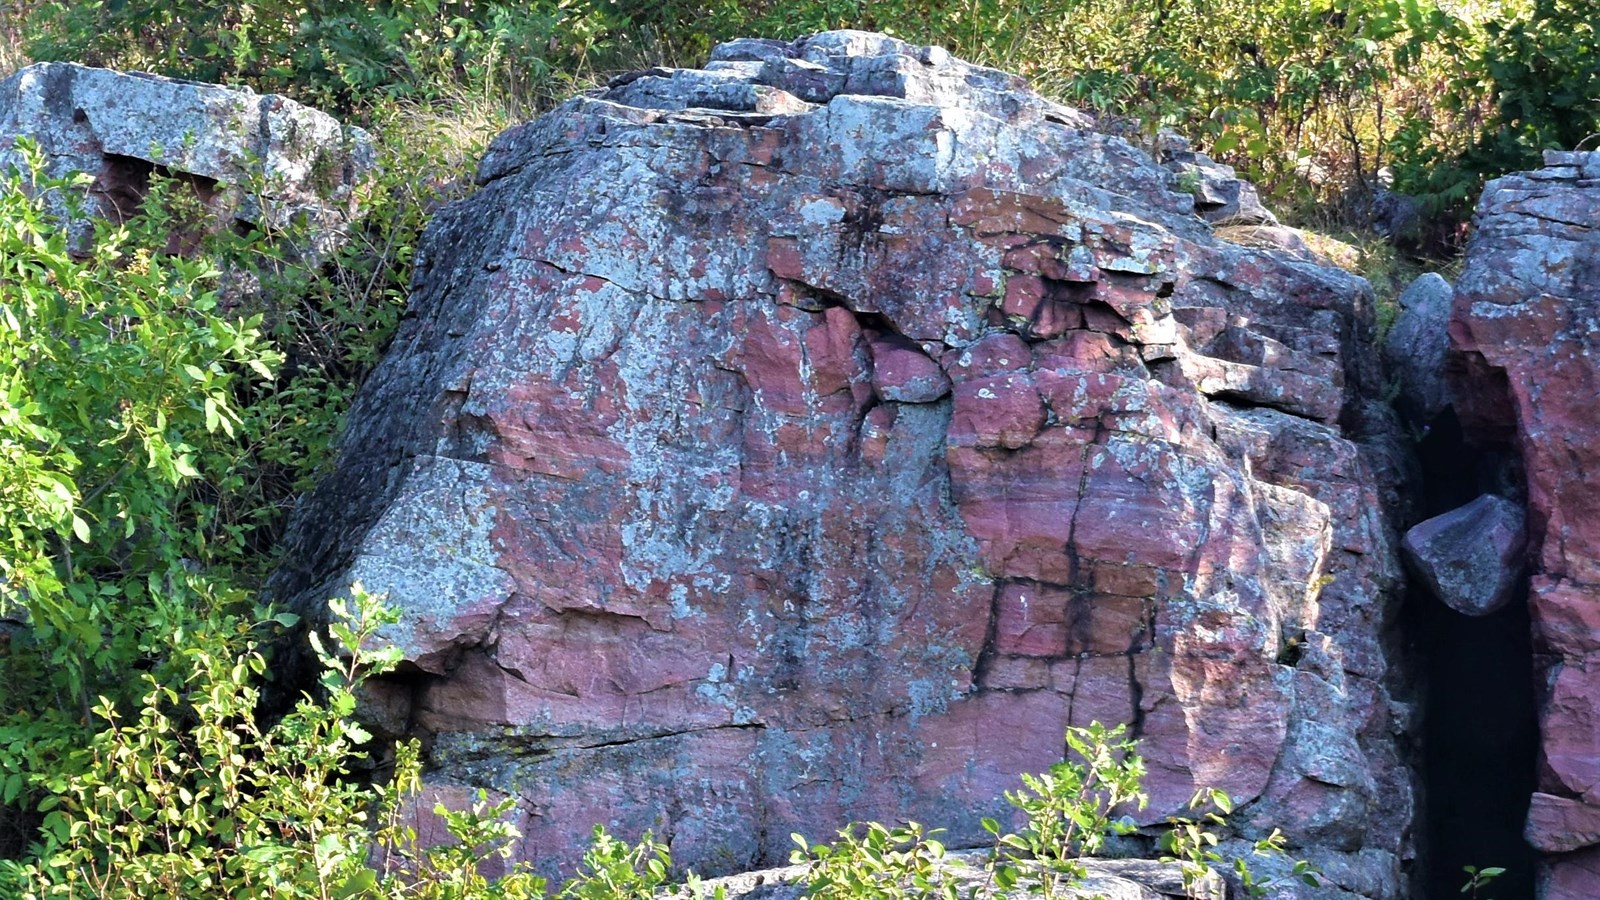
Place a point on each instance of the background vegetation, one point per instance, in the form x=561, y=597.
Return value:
x=151, y=443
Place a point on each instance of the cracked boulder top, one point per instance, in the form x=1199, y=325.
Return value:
x=261, y=158
x=814, y=436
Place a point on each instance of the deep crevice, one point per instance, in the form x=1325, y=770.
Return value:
x=1479, y=725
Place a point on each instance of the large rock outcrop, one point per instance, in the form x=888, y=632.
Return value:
x=1525, y=345
x=263, y=160
x=814, y=436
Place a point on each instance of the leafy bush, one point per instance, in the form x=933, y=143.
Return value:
x=189, y=793
x=1192, y=843
x=1069, y=808
x=879, y=863
x=1524, y=81
x=186, y=793
x=119, y=375
x=332, y=51
x=1070, y=811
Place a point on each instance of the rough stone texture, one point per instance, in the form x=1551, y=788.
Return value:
x=263, y=159
x=1471, y=557
x=1221, y=197
x=1106, y=879
x=1398, y=217
x=1414, y=350
x=814, y=437
x=1525, y=345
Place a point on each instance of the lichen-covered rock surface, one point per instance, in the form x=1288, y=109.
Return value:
x=1472, y=557
x=815, y=436
x=261, y=159
x=1525, y=345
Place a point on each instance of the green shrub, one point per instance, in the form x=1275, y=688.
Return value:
x=1525, y=81
x=1192, y=843
x=118, y=375
x=189, y=793
x=1069, y=813
x=185, y=792
x=334, y=52
x=872, y=861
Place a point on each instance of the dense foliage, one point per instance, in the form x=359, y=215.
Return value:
x=1321, y=100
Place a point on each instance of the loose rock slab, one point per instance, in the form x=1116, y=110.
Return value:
x=816, y=435
x=263, y=159
x=1415, y=348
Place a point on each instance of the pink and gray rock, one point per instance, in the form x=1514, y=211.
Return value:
x=1221, y=197
x=815, y=436
x=1525, y=344
x=262, y=159
x=1471, y=557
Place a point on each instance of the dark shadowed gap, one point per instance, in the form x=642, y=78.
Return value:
x=1480, y=731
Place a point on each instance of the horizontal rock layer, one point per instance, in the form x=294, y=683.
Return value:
x=262, y=159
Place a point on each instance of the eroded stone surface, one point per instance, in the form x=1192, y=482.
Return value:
x=1471, y=557
x=263, y=159
x=1415, y=348
x=749, y=463
x=1525, y=344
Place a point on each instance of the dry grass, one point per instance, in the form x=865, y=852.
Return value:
x=13, y=19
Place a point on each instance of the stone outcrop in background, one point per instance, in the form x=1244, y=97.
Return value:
x=263, y=160
x=814, y=436
x=1525, y=366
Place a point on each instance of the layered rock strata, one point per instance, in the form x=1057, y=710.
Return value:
x=263, y=160
x=816, y=435
x=1525, y=346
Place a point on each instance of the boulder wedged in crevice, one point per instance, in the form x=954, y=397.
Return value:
x=1472, y=557
x=1525, y=369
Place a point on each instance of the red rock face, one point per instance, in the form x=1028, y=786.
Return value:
x=814, y=437
x=1525, y=336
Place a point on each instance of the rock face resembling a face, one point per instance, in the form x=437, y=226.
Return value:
x=816, y=435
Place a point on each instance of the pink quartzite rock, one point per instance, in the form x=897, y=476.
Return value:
x=1525, y=344
x=815, y=436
